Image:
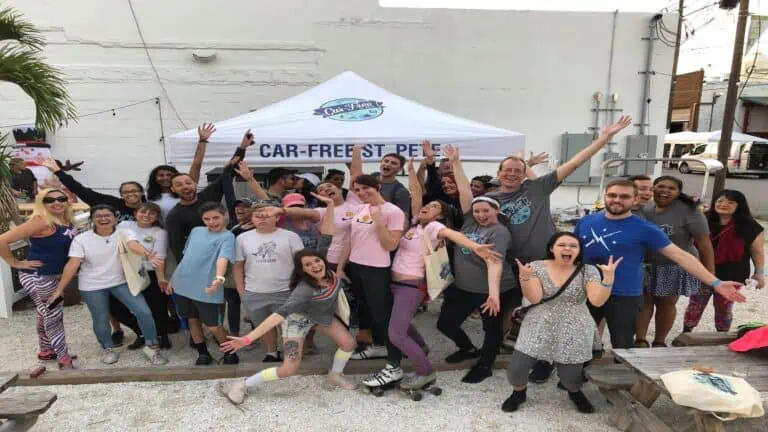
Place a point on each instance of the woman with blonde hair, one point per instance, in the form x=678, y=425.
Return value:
x=50, y=230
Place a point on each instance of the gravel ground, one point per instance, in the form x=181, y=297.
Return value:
x=305, y=403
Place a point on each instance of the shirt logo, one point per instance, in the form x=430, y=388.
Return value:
x=350, y=109
x=266, y=252
x=669, y=230
x=600, y=238
x=518, y=211
x=410, y=234
x=366, y=219
x=347, y=216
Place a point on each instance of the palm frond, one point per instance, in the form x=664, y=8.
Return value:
x=44, y=83
x=9, y=212
x=14, y=27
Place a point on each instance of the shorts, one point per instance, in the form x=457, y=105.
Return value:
x=210, y=314
x=259, y=306
x=297, y=326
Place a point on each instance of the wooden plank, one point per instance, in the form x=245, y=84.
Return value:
x=7, y=380
x=705, y=422
x=195, y=373
x=612, y=376
x=24, y=404
x=704, y=339
x=646, y=391
x=628, y=414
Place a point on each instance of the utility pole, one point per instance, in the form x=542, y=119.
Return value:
x=724, y=147
x=674, y=63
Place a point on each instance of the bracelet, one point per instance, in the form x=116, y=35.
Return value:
x=204, y=141
x=247, y=340
x=606, y=285
x=715, y=283
x=221, y=279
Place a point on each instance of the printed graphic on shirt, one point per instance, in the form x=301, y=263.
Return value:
x=604, y=238
x=475, y=237
x=366, y=219
x=71, y=233
x=348, y=215
x=518, y=211
x=669, y=230
x=265, y=253
x=309, y=242
x=148, y=239
x=410, y=234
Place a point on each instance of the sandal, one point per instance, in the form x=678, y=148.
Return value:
x=659, y=345
x=46, y=355
x=642, y=343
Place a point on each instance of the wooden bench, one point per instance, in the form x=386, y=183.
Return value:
x=704, y=339
x=19, y=410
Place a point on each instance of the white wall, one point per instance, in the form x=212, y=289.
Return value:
x=532, y=72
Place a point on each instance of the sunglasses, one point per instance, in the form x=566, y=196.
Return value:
x=51, y=200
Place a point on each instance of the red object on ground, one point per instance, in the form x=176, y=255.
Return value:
x=754, y=339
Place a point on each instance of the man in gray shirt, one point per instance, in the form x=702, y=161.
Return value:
x=391, y=189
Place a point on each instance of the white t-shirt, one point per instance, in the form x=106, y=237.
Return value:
x=166, y=202
x=154, y=239
x=268, y=259
x=100, y=266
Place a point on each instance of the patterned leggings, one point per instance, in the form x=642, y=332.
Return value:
x=50, y=323
x=697, y=304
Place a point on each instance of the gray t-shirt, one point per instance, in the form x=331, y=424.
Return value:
x=397, y=194
x=470, y=270
x=317, y=305
x=268, y=259
x=681, y=223
x=530, y=216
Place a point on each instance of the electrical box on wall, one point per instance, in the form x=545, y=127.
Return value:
x=570, y=145
x=640, y=146
x=608, y=155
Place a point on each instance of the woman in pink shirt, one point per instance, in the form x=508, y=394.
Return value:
x=408, y=272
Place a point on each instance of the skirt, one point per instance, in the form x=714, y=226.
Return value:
x=671, y=280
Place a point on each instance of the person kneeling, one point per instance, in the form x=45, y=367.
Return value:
x=311, y=305
x=558, y=327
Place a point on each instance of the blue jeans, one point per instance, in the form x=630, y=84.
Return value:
x=98, y=304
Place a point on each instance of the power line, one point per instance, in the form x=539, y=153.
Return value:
x=700, y=9
x=104, y=111
x=154, y=69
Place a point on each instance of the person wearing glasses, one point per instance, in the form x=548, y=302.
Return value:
x=50, y=230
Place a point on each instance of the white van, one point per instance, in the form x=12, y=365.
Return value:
x=744, y=158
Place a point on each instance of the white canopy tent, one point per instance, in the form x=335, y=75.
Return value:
x=320, y=125
x=688, y=137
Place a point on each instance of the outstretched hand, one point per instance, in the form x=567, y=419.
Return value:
x=731, y=291
x=205, y=131
x=487, y=253
x=243, y=171
x=525, y=270
x=324, y=199
x=427, y=150
x=451, y=152
x=611, y=130
x=492, y=306
x=234, y=344
x=537, y=159
x=610, y=266
x=51, y=164
x=247, y=140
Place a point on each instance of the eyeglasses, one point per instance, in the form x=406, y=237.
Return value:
x=103, y=216
x=51, y=200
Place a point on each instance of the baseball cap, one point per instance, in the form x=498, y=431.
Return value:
x=244, y=201
x=293, y=199
x=275, y=174
x=315, y=180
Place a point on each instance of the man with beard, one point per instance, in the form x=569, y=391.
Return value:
x=617, y=233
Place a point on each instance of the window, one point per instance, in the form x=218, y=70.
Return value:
x=699, y=150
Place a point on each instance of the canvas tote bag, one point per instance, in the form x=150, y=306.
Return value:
x=136, y=276
x=342, y=305
x=437, y=267
x=726, y=397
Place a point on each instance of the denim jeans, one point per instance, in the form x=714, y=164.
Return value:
x=98, y=304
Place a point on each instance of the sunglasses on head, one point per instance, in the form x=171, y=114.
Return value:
x=51, y=200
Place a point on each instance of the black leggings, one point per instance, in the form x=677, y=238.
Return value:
x=370, y=286
x=232, y=297
x=458, y=305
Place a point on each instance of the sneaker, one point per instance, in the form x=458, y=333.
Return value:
x=370, y=352
x=415, y=382
x=236, y=392
x=339, y=380
x=165, y=342
x=388, y=375
x=461, y=355
x=46, y=355
x=138, y=343
x=514, y=401
x=117, y=339
x=477, y=374
x=111, y=356
x=154, y=356
x=273, y=358
x=230, y=359
x=204, y=359
x=582, y=403
x=66, y=364
x=541, y=372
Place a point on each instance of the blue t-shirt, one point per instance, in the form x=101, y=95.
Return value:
x=628, y=238
x=198, y=267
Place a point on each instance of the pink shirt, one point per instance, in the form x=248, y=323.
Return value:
x=342, y=215
x=409, y=259
x=366, y=248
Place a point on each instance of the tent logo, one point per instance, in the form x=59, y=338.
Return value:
x=351, y=109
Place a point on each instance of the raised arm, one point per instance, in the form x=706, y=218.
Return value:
x=204, y=132
x=326, y=226
x=530, y=283
x=691, y=264
x=246, y=174
x=414, y=187
x=462, y=182
x=88, y=195
x=356, y=166
x=606, y=135
x=598, y=292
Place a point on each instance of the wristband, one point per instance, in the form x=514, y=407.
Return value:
x=715, y=283
x=247, y=340
x=606, y=285
x=221, y=279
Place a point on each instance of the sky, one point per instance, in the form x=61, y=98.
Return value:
x=571, y=5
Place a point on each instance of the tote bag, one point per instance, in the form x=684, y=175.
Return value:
x=136, y=276
x=342, y=306
x=437, y=267
x=726, y=397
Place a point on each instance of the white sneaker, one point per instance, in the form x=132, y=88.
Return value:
x=236, y=391
x=370, y=352
x=154, y=356
x=388, y=375
x=111, y=356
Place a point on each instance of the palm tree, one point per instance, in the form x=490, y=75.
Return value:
x=22, y=63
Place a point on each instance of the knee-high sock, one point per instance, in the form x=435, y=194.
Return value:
x=340, y=360
x=266, y=375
